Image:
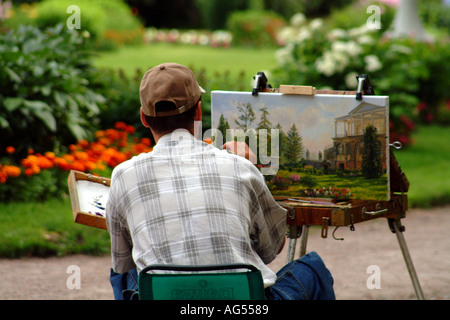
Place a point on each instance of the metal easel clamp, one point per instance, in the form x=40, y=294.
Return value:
x=363, y=86
x=324, y=232
x=294, y=231
x=260, y=83
x=378, y=211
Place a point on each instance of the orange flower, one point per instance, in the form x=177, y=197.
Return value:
x=104, y=141
x=72, y=147
x=147, y=142
x=99, y=134
x=50, y=155
x=10, y=149
x=90, y=165
x=130, y=129
x=61, y=163
x=120, y=125
x=112, y=134
x=29, y=161
x=35, y=169
x=80, y=155
x=69, y=157
x=44, y=163
x=77, y=165
x=3, y=177
x=84, y=144
x=12, y=171
x=208, y=140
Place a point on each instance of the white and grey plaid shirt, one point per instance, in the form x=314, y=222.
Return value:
x=187, y=202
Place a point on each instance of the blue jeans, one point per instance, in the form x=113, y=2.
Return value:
x=124, y=285
x=306, y=278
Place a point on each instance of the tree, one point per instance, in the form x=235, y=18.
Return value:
x=265, y=124
x=294, y=145
x=283, y=143
x=371, y=158
x=222, y=127
x=247, y=116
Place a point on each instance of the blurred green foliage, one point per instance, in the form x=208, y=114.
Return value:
x=255, y=27
x=330, y=53
x=106, y=23
x=45, y=96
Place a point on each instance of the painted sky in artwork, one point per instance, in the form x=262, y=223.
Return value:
x=314, y=116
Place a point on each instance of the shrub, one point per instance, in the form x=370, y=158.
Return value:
x=295, y=178
x=53, y=12
x=215, y=13
x=109, y=23
x=255, y=27
x=122, y=98
x=308, y=182
x=280, y=183
x=371, y=159
x=45, y=100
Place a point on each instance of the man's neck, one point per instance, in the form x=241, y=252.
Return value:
x=158, y=136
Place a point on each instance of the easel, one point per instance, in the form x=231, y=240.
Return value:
x=303, y=212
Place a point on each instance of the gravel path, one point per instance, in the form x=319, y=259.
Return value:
x=372, y=243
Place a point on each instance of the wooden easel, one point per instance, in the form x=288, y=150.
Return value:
x=303, y=212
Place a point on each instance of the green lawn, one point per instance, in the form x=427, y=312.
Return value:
x=426, y=164
x=235, y=60
x=360, y=187
x=46, y=229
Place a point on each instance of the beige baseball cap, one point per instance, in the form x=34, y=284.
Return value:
x=169, y=82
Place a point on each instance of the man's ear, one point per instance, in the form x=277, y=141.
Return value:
x=198, y=112
x=144, y=122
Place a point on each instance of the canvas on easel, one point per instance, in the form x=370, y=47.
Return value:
x=329, y=145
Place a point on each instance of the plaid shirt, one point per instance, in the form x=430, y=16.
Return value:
x=187, y=202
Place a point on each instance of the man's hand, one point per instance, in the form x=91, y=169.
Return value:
x=241, y=149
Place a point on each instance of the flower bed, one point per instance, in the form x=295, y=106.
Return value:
x=110, y=147
x=218, y=38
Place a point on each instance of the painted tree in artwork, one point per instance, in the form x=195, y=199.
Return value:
x=372, y=167
x=294, y=148
x=264, y=124
x=222, y=127
x=246, y=116
x=283, y=143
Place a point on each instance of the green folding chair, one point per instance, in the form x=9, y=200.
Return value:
x=201, y=283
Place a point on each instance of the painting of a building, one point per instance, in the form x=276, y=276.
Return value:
x=348, y=142
x=311, y=138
